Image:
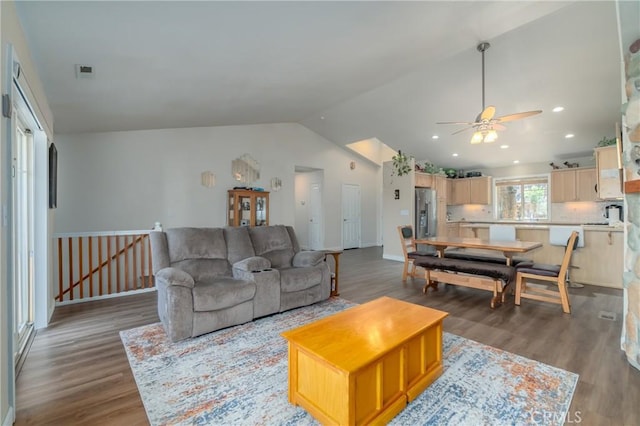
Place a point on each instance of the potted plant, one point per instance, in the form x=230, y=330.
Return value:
x=401, y=164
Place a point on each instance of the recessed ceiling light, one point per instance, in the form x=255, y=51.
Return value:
x=516, y=161
x=504, y=146
x=558, y=109
x=322, y=117
x=435, y=137
x=569, y=135
x=455, y=154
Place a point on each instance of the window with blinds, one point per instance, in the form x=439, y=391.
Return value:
x=523, y=198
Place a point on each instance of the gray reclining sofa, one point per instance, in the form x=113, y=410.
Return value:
x=212, y=278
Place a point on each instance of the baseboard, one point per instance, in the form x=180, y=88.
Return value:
x=9, y=418
x=393, y=257
x=106, y=296
x=365, y=245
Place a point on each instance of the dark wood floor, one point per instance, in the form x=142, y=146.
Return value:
x=77, y=372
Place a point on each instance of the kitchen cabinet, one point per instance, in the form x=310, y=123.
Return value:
x=586, y=185
x=424, y=180
x=247, y=208
x=440, y=184
x=475, y=190
x=608, y=173
x=480, y=190
x=573, y=185
x=453, y=229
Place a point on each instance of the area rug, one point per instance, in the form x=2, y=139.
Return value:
x=238, y=376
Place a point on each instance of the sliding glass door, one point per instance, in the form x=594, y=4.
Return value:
x=23, y=232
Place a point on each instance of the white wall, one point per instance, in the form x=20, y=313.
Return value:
x=129, y=180
x=396, y=212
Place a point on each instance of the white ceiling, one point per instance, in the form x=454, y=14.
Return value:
x=347, y=70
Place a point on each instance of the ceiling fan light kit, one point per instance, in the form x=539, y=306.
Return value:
x=486, y=125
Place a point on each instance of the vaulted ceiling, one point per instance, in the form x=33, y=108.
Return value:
x=347, y=70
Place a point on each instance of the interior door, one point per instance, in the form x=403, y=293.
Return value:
x=350, y=216
x=315, y=216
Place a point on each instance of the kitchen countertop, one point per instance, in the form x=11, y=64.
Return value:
x=602, y=227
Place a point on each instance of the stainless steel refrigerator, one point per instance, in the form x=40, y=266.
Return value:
x=425, y=216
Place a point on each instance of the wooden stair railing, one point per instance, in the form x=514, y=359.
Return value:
x=94, y=269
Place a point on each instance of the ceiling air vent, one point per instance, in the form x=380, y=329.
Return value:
x=84, y=71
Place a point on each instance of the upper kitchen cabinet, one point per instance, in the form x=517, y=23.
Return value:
x=563, y=185
x=424, y=180
x=573, y=185
x=586, y=185
x=608, y=173
x=476, y=190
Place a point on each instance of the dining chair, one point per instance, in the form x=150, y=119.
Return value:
x=556, y=274
x=502, y=232
x=410, y=251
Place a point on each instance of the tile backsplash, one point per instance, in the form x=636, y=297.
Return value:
x=578, y=212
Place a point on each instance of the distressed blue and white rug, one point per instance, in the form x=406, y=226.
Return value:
x=238, y=376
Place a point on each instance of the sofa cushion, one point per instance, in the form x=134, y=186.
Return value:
x=251, y=264
x=196, y=243
x=239, y=245
x=205, y=269
x=295, y=279
x=307, y=258
x=221, y=293
x=274, y=243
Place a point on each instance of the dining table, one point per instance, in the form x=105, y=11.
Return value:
x=508, y=248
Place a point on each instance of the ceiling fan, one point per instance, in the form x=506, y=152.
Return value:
x=486, y=124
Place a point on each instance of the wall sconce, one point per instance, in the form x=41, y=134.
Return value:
x=208, y=179
x=276, y=184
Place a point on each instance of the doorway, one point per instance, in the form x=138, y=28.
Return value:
x=351, y=220
x=309, y=214
x=315, y=216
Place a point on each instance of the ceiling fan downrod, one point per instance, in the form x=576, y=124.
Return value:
x=482, y=47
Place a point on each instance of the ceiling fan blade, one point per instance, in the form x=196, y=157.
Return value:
x=456, y=122
x=516, y=116
x=498, y=126
x=488, y=113
x=462, y=130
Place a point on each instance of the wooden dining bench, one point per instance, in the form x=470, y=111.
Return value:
x=475, y=274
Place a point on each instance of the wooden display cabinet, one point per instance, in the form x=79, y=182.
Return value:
x=247, y=208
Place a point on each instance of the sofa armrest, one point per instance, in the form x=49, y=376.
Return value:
x=307, y=258
x=255, y=263
x=175, y=276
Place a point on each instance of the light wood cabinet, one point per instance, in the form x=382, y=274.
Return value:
x=586, y=185
x=475, y=190
x=480, y=190
x=573, y=185
x=608, y=173
x=453, y=229
x=563, y=186
x=460, y=194
x=424, y=180
x=440, y=184
x=247, y=208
